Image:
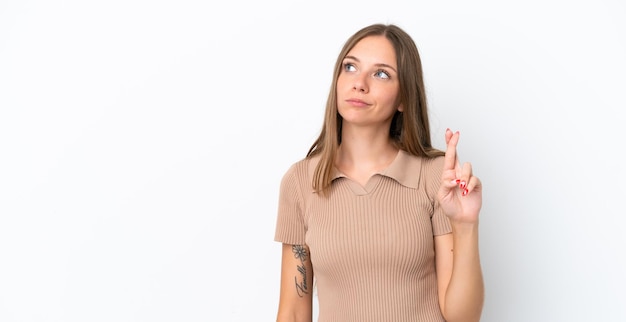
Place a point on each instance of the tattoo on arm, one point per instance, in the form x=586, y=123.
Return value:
x=301, y=253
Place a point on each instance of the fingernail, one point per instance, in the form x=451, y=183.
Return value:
x=455, y=181
x=465, y=192
x=462, y=184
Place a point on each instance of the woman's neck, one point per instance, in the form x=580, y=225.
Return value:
x=364, y=152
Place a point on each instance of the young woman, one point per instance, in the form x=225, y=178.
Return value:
x=385, y=223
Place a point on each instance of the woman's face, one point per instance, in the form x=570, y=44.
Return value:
x=368, y=86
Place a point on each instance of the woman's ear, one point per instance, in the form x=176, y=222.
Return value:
x=400, y=108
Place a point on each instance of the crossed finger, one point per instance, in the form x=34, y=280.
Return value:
x=463, y=177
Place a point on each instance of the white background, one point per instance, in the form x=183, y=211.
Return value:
x=142, y=144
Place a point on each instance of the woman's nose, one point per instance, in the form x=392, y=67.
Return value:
x=360, y=84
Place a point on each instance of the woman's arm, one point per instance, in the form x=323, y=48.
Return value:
x=296, y=285
x=459, y=273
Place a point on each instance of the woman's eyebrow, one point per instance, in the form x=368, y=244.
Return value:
x=377, y=65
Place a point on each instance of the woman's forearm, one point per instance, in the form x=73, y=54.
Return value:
x=465, y=293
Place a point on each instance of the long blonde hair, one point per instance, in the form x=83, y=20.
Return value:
x=409, y=130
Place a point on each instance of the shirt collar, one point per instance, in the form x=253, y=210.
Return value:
x=405, y=169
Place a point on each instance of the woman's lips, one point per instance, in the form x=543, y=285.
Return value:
x=357, y=102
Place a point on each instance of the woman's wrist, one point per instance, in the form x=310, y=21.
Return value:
x=463, y=227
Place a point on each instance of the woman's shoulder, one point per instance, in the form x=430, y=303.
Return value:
x=426, y=171
x=434, y=162
x=303, y=169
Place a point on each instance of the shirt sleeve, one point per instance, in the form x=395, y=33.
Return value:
x=290, y=225
x=441, y=223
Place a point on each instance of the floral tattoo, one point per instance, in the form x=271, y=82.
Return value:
x=301, y=253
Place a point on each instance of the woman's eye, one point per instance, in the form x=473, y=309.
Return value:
x=381, y=74
x=349, y=67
